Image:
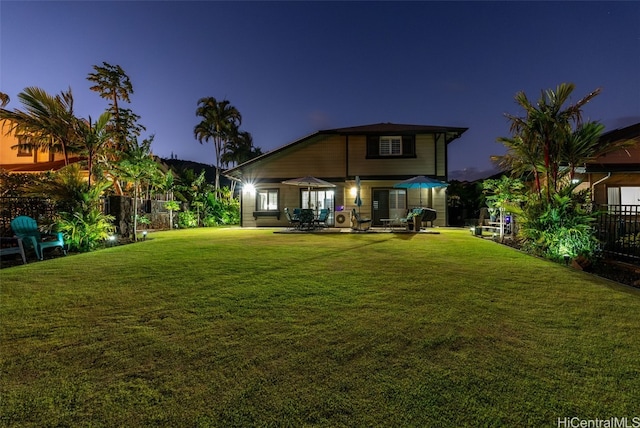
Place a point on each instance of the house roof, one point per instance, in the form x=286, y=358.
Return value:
x=38, y=167
x=627, y=133
x=625, y=159
x=377, y=128
x=396, y=128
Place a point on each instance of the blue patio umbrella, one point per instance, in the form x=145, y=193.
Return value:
x=420, y=182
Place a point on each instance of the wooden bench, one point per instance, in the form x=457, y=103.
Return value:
x=12, y=246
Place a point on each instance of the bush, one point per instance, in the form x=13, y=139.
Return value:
x=187, y=219
x=85, y=230
x=557, y=228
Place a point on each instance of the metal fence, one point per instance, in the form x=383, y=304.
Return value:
x=41, y=209
x=618, y=229
x=44, y=211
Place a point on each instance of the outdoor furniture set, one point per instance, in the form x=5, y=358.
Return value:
x=29, y=237
x=305, y=219
x=413, y=220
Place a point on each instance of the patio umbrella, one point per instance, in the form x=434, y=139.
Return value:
x=420, y=182
x=309, y=182
x=358, y=200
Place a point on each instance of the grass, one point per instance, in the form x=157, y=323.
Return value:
x=227, y=327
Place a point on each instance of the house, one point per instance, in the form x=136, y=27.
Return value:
x=16, y=159
x=381, y=155
x=614, y=178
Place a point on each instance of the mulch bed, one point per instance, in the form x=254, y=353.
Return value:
x=624, y=273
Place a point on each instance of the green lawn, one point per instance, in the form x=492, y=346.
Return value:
x=228, y=327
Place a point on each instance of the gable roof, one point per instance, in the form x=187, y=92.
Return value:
x=39, y=166
x=627, y=133
x=396, y=128
x=377, y=128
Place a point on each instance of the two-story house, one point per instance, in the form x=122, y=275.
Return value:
x=381, y=155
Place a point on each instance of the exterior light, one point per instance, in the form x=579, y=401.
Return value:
x=144, y=235
x=249, y=188
x=353, y=191
x=566, y=259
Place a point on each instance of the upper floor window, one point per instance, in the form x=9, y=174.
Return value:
x=22, y=149
x=391, y=146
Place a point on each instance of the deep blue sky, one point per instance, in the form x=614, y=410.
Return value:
x=295, y=68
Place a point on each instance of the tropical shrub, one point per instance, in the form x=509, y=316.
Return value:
x=171, y=206
x=187, y=219
x=559, y=227
x=210, y=221
x=85, y=230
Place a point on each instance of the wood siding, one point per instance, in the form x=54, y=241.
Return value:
x=324, y=156
x=424, y=163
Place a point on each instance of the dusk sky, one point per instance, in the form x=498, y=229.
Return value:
x=293, y=68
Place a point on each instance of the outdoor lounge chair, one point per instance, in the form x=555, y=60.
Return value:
x=322, y=218
x=359, y=223
x=413, y=220
x=12, y=246
x=26, y=228
x=294, y=222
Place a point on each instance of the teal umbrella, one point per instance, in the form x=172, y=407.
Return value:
x=420, y=182
x=358, y=200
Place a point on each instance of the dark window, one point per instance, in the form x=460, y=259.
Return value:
x=22, y=149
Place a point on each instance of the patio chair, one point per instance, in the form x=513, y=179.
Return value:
x=294, y=222
x=12, y=246
x=358, y=222
x=413, y=220
x=26, y=228
x=321, y=221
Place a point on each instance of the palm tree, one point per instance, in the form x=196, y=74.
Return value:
x=220, y=122
x=113, y=84
x=4, y=99
x=240, y=149
x=137, y=166
x=546, y=128
x=47, y=120
x=94, y=137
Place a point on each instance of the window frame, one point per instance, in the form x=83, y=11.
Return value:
x=268, y=192
x=407, y=146
x=389, y=141
x=22, y=151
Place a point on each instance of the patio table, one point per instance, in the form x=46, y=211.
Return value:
x=390, y=223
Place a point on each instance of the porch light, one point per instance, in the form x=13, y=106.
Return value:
x=249, y=188
x=353, y=191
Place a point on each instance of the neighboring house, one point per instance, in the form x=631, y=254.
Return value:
x=381, y=155
x=18, y=160
x=615, y=177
